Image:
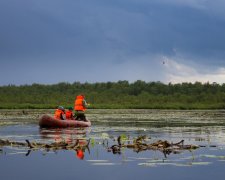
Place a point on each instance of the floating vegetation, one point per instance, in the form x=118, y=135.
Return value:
x=155, y=164
x=213, y=156
x=158, y=161
x=148, y=164
x=103, y=164
x=127, y=117
x=51, y=146
x=15, y=153
x=139, y=144
x=105, y=136
x=97, y=160
x=139, y=158
x=201, y=163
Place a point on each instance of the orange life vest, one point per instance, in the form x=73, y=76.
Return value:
x=78, y=104
x=58, y=113
x=69, y=114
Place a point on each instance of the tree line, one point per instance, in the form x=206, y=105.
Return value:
x=120, y=94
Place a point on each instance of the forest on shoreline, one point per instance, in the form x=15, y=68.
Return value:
x=115, y=95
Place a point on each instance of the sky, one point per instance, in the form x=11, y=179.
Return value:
x=52, y=41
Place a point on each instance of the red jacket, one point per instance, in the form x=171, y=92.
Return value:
x=69, y=115
x=59, y=114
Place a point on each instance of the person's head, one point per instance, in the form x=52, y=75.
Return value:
x=70, y=108
x=61, y=108
x=82, y=95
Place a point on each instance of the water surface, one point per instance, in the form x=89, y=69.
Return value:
x=203, y=128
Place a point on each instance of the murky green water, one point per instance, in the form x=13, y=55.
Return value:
x=202, y=128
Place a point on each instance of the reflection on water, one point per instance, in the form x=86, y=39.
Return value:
x=203, y=128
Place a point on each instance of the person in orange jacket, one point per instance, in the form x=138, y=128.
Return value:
x=69, y=114
x=80, y=106
x=60, y=113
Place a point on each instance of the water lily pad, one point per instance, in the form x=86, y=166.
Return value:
x=123, y=137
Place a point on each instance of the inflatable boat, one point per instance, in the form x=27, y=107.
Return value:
x=48, y=121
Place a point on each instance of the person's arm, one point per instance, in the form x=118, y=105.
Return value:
x=85, y=104
x=63, y=116
x=72, y=116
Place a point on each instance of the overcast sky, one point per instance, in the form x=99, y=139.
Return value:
x=51, y=41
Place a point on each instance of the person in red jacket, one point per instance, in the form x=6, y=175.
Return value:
x=69, y=114
x=80, y=106
x=60, y=113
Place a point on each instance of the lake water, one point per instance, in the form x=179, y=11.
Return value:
x=203, y=128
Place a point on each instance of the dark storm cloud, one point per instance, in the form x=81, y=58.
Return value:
x=108, y=34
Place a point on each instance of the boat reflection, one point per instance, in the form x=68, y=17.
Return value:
x=75, y=138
